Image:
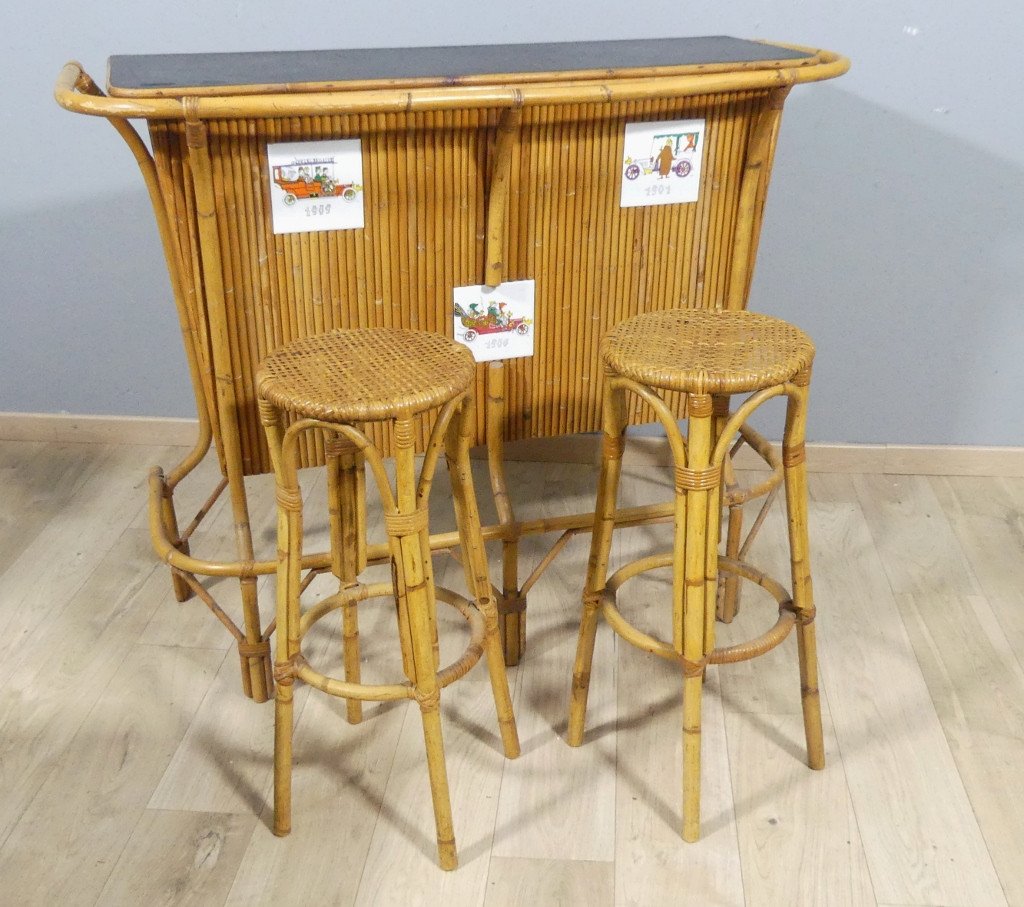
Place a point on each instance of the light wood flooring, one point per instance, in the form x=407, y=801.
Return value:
x=133, y=771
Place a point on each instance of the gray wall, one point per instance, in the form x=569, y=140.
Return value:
x=893, y=232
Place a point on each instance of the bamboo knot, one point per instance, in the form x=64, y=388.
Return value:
x=402, y=524
x=613, y=447
x=289, y=498
x=429, y=701
x=490, y=620
x=698, y=479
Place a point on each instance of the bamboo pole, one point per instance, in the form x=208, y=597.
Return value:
x=692, y=587
x=600, y=548
x=759, y=152
x=728, y=597
x=254, y=683
x=511, y=610
x=289, y=571
x=497, y=198
x=343, y=514
x=474, y=562
x=803, y=596
x=412, y=558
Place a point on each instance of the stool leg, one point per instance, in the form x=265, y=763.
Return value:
x=694, y=588
x=474, y=561
x=793, y=458
x=614, y=419
x=289, y=577
x=729, y=587
x=411, y=552
x=344, y=505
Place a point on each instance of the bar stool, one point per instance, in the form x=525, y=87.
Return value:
x=336, y=382
x=706, y=355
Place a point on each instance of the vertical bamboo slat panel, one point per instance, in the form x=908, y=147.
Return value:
x=426, y=186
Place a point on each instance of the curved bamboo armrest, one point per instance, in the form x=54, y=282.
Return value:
x=76, y=91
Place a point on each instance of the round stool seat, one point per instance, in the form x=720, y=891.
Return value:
x=365, y=375
x=701, y=351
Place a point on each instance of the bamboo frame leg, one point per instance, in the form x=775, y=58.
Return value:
x=289, y=579
x=512, y=608
x=172, y=256
x=696, y=586
x=730, y=604
x=410, y=540
x=729, y=593
x=793, y=458
x=256, y=669
x=474, y=561
x=254, y=654
x=345, y=507
x=182, y=590
x=614, y=418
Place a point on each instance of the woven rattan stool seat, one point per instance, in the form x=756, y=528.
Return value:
x=698, y=351
x=365, y=375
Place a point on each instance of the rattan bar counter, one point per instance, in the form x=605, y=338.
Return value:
x=480, y=165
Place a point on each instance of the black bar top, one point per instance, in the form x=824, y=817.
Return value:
x=157, y=74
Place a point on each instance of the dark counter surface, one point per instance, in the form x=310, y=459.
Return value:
x=170, y=74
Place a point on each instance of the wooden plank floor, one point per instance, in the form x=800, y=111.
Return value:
x=133, y=771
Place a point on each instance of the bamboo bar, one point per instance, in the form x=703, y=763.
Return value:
x=470, y=177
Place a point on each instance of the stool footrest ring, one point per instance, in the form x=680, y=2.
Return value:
x=355, y=593
x=386, y=692
x=788, y=615
x=768, y=453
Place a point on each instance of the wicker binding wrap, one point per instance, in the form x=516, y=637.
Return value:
x=365, y=375
x=707, y=352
